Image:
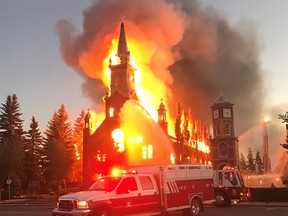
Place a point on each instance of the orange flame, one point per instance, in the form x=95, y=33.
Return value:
x=96, y=119
x=152, y=79
x=150, y=88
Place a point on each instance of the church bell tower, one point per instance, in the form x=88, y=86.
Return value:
x=86, y=169
x=224, y=144
x=162, y=118
x=122, y=78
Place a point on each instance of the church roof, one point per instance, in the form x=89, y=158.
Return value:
x=221, y=101
x=106, y=127
x=103, y=134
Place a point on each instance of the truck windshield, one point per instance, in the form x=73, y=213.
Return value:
x=107, y=184
x=240, y=179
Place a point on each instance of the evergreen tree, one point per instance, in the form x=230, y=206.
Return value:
x=11, y=143
x=179, y=136
x=250, y=161
x=33, y=152
x=258, y=164
x=58, y=147
x=11, y=124
x=186, y=137
x=75, y=176
x=242, y=163
x=185, y=131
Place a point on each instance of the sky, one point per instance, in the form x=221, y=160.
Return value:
x=32, y=67
x=268, y=17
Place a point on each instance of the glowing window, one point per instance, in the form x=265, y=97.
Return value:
x=147, y=152
x=139, y=139
x=172, y=158
x=104, y=157
x=111, y=112
x=150, y=151
x=118, y=137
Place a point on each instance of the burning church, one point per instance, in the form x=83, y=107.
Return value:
x=130, y=135
x=114, y=142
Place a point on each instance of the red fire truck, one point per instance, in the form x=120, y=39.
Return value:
x=229, y=187
x=149, y=190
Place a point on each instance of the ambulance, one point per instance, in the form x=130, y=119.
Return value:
x=143, y=190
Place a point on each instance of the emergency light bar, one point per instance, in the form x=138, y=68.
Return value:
x=229, y=168
x=118, y=172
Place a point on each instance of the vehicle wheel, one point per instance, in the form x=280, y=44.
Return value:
x=220, y=200
x=194, y=209
x=101, y=212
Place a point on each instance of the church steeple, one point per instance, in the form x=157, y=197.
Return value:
x=162, y=117
x=122, y=79
x=122, y=51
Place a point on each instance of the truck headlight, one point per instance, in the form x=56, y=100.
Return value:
x=81, y=204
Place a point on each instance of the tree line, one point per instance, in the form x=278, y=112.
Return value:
x=31, y=161
x=251, y=165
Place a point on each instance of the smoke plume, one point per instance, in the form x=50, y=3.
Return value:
x=193, y=50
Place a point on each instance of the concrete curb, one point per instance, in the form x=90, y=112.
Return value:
x=266, y=204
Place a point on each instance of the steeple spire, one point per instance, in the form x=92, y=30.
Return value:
x=123, y=52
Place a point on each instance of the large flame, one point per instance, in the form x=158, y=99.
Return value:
x=150, y=89
x=152, y=81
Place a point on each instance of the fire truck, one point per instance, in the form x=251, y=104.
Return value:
x=143, y=190
x=229, y=187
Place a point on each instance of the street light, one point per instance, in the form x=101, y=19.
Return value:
x=266, y=159
x=266, y=119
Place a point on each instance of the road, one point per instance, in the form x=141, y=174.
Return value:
x=25, y=210
x=235, y=210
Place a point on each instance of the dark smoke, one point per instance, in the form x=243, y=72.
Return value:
x=216, y=58
x=211, y=57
